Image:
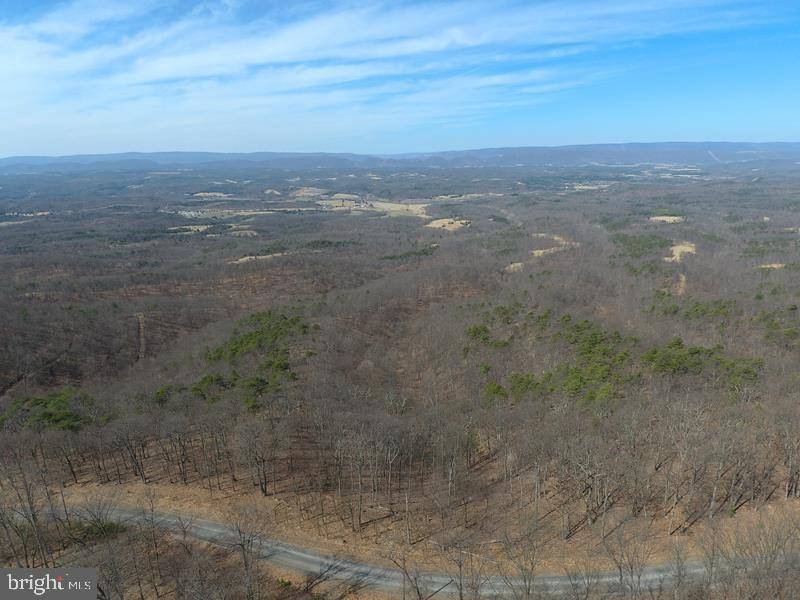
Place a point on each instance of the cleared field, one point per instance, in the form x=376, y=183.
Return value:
x=250, y=258
x=667, y=219
x=561, y=244
x=448, y=224
x=392, y=209
x=211, y=195
x=187, y=229
x=678, y=251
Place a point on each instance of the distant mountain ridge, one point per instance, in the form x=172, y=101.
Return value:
x=684, y=153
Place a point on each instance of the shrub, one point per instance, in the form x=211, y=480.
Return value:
x=674, y=358
x=426, y=251
x=493, y=390
x=479, y=333
x=65, y=409
x=210, y=383
x=266, y=330
x=520, y=384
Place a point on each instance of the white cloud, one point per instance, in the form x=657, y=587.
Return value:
x=116, y=72
x=80, y=17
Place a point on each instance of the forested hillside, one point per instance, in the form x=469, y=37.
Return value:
x=483, y=371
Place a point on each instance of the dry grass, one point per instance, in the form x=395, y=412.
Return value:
x=451, y=197
x=587, y=187
x=392, y=209
x=680, y=286
x=398, y=209
x=308, y=192
x=448, y=224
x=679, y=250
x=667, y=219
x=562, y=244
x=211, y=195
x=246, y=259
x=188, y=229
x=221, y=213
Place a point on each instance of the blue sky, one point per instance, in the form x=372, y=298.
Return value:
x=80, y=76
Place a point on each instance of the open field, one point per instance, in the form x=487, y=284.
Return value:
x=447, y=224
x=678, y=251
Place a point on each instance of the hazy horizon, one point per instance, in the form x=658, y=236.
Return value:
x=411, y=152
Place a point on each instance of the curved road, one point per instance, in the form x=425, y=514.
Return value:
x=394, y=581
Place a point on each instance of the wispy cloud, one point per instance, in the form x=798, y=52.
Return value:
x=112, y=74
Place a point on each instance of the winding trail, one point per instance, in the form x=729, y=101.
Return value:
x=395, y=581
